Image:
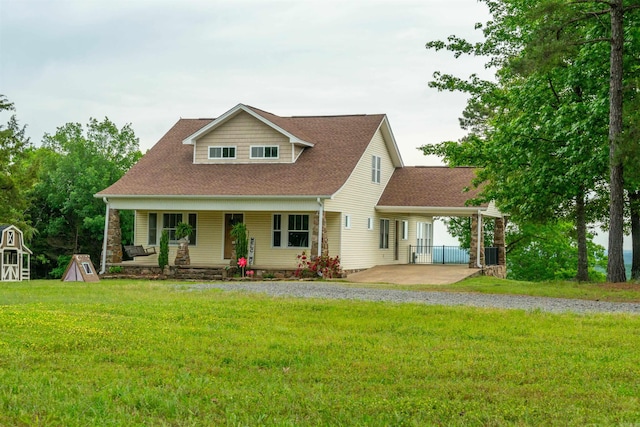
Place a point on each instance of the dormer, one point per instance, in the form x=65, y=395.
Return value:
x=247, y=135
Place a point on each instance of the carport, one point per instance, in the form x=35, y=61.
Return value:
x=414, y=274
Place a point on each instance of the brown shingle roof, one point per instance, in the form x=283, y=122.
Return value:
x=433, y=186
x=168, y=169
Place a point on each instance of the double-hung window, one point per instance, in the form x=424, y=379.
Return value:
x=193, y=222
x=222, y=152
x=296, y=234
x=170, y=222
x=375, y=169
x=152, y=238
x=384, y=234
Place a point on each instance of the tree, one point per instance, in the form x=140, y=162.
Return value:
x=16, y=173
x=163, y=257
x=539, y=131
x=549, y=252
x=77, y=163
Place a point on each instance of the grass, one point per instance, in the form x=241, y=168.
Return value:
x=626, y=292
x=118, y=353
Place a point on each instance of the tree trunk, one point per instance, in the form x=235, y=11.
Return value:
x=634, y=202
x=581, y=229
x=615, y=267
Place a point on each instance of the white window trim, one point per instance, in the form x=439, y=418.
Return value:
x=376, y=169
x=222, y=147
x=251, y=156
x=384, y=244
x=284, y=230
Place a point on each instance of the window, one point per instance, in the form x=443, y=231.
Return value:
x=297, y=231
x=277, y=230
x=424, y=241
x=222, y=152
x=10, y=238
x=405, y=230
x=375, y=169
x=169, y=222
x=264, y=152
x=369, y=223
x=384, y=234
x=87, y=268
x=347, y=221
x=152, y=238
x=193, y=222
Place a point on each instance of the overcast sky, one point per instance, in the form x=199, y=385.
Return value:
x=150, y=62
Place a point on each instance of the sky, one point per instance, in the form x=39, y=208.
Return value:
x=151, y=62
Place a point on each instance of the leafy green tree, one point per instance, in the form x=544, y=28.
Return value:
x=549, y=252
x=539, y=132
x=239, y=235
x=17, y=175
x=163, y=256
x=76, y=164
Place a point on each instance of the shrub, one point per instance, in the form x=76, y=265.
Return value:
x=115, y=269
x=321, y=266
x=163, y=256
x=63, y=262
x=239, y=234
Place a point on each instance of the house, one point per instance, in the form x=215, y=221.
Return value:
x=319, y=184
x=15, y=256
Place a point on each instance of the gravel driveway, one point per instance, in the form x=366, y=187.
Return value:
x=338, y=291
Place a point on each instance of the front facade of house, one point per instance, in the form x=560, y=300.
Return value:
x=329, y=184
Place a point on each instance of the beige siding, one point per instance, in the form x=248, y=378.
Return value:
x=242, y=132
x=209, y=248
x=358, y=198
x=259, y=225
x=206, y=251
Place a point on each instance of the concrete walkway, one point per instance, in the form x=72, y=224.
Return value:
x=414, y=274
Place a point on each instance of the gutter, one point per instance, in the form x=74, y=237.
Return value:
x=320, y=222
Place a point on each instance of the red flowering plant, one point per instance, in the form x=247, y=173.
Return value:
x=242, y=263
x=320, y=266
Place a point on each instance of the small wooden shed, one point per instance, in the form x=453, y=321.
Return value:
x=15, y=257
x=80, y=269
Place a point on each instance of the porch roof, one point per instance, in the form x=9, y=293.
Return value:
x=433, y=190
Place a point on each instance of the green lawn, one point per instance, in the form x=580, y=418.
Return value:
x=122, y=353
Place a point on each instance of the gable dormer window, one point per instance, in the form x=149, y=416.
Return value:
x=264, y=152
x=222, y=152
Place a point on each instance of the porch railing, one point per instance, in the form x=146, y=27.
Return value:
x=438, y=255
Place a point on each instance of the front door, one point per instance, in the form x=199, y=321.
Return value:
x=229, y=221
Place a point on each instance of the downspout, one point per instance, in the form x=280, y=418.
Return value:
x=103, y=264
x=480, y=239
x=320, y=215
